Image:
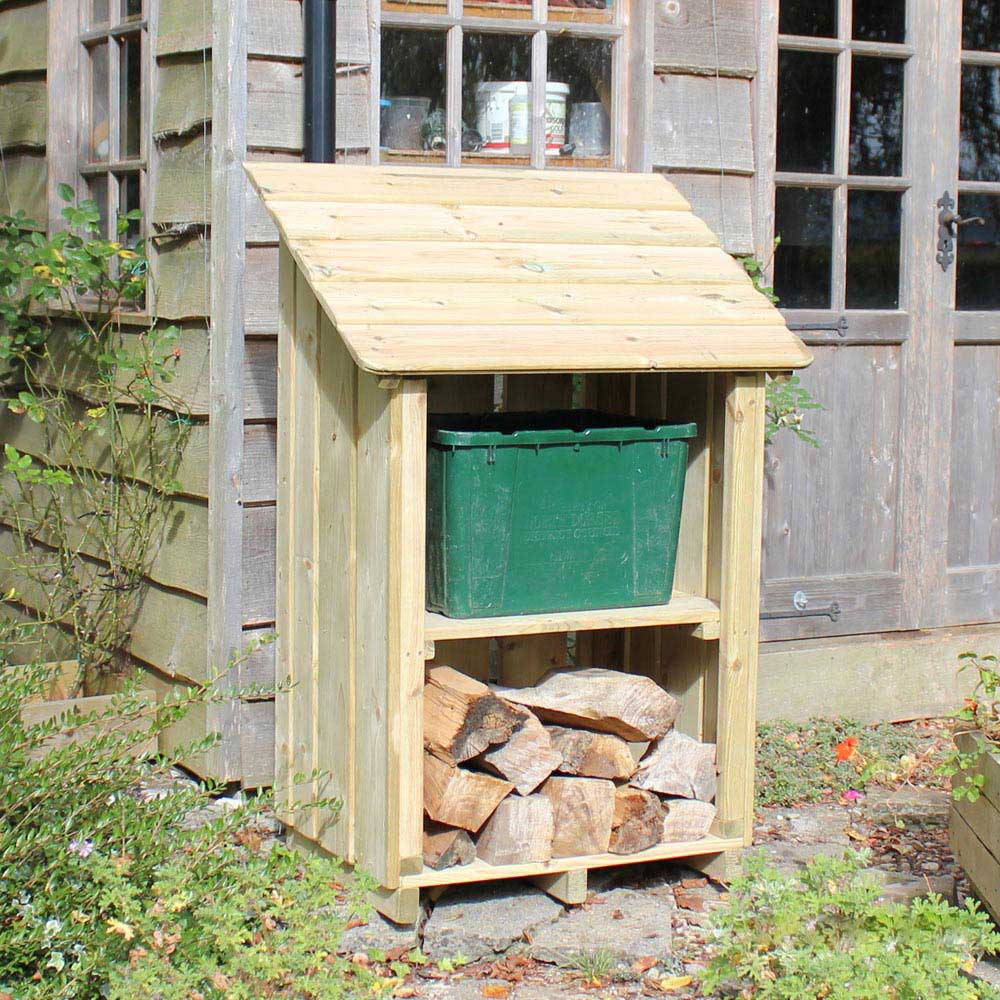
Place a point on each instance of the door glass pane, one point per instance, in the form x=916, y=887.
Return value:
x=129, y=200
x=99, y=12
x=879, y=20
x=873, y=227
x=805, y=111
x=978, y=258
x=130, y=98
x=981, y=25
x=496, y=95
x=131, y=9
x=578, y=102
x=803, y=219
x=876, y=116
x=979, y=158
x=412, y=124
x=808, y=17
x=97, y=190
x=100, y=123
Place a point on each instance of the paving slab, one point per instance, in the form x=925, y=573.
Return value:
x=927, y=806
x=378, y=933
x=627, y=924
x=485, y=920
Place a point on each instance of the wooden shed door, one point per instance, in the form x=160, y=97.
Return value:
x=892, y=518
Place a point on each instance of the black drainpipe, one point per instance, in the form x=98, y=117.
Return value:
x=320, y=80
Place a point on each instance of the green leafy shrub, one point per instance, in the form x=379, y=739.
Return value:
x=87, y=498
x=109, y=890
x=824, y=935
x=802, y=762
x=787, y=402
x=980, y=714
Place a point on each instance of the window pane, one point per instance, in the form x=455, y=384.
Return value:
x=129, y=200
x=413, y=93
x=978, y=257
x=876, y=116
x=979, y=158
x=879, y=20
x=496, y=93
x=873, y=225
x=804, y=222
x=981, y=25
x=97, y=190
x=808, y=17
x=100, y=124
x=497, y=8
x=578, y=100
x=99, y=12
x=805, y=111
x=580, y=10
x=131, y=9
x=130, y=98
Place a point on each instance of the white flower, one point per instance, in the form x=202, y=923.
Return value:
x=53, y=927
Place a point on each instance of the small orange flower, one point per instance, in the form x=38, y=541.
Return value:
x=847, y=749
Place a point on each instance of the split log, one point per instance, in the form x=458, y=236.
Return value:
x=687, y=819
x=582, y=812
x=592, y=755
x=526, y=759
x=679, y=765
x=463, y=717
x=519, y=832
x=628, y=705
x=637, y=822
x=445, y=847
x=457, y=797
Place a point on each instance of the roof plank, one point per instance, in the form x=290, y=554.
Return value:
x=437, y=270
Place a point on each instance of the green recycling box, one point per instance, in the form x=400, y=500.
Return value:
x=553, y=511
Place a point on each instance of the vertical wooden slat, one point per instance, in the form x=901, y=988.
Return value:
x=539, y=58
x=742, y=509
x=225, y=535
x=284, y=733
x=303, y=514
x=632, y=123
x=335, y=494
x=390, y=635
x=65, y=96
x=408, y=487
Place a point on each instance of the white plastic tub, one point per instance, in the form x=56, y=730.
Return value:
x=494, y=116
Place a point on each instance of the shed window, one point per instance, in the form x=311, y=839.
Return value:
x=114, y=93
x=509, y=82
x=840, y=153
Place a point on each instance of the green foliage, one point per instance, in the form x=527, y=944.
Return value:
x=823, y=934
x=88, y=507
x=980, y=713
x=107, y=888
x=757, y=272
x=787, y=401
x=798, y=763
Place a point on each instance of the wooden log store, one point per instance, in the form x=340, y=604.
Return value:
x=403, y=297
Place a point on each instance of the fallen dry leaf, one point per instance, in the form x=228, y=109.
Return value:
x=644, y=964
x=618, y=915
x=220, y=981
x=694, y=883
x=361, y=958
x=404, y=991
x=673, y=983
x=687, y=900
x=354, y=922
x=496, y=992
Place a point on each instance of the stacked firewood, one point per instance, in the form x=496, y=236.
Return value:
x=586, y=762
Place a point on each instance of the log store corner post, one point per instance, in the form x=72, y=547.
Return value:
x=400, y=289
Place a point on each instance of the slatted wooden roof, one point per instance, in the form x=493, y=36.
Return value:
x=436, y=270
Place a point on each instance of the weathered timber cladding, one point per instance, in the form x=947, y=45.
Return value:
x=685, y=38
x=183, y=182
x=183, y=26
x=183, y=95
x=274, y=106
x=23, y=113
x=702, y=123
x=182, y=277
x=274, y=31
x=23, y=37
x=22, y=186
x=725, y=202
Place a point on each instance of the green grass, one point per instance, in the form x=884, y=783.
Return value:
x=797, y=762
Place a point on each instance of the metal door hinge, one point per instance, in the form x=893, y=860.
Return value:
x=948, y=222
x=840, y=325
x=800, y=602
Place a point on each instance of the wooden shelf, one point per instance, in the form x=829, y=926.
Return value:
x=480, y=871
x=683, y=609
